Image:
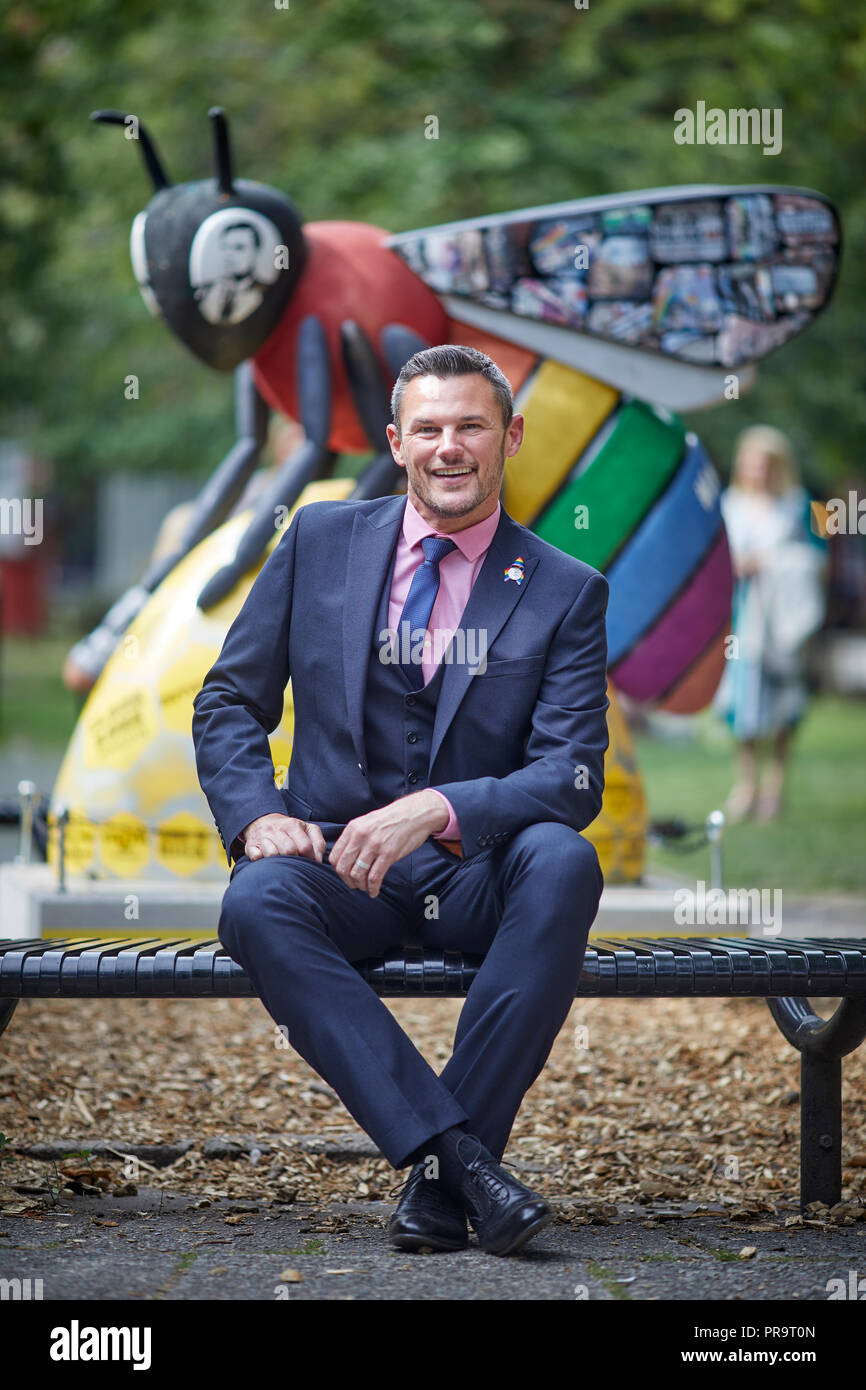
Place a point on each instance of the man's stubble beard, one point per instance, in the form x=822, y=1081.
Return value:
x=458, y=508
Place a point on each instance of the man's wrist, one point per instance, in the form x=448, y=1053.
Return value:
x=439, y=813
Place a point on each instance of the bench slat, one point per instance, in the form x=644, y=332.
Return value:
x=667, y=967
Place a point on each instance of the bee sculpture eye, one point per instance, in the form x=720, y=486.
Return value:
x=138, y=256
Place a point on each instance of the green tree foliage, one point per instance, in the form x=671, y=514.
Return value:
x=536, y=100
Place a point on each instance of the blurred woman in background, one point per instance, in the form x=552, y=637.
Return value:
x=778, y=603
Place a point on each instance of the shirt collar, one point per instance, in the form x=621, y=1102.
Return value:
x=471, y=541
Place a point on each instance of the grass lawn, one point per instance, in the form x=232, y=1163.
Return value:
x=818, y=844
x=819, y=841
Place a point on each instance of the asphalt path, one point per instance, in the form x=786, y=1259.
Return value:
x=157, y=1246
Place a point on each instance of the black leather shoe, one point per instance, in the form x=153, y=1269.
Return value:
x=503, y=1213
x=427, y=1217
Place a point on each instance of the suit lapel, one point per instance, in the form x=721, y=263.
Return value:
x=491, y=602
x=371, y=546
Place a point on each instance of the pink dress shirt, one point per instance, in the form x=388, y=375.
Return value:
x=457, y=573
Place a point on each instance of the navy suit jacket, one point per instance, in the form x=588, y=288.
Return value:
x=521, y=741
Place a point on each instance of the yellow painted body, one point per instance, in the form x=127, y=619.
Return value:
x=564, y=410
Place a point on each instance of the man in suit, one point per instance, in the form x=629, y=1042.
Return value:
x=435, y=796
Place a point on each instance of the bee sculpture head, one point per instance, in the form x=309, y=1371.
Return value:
x=217, y=259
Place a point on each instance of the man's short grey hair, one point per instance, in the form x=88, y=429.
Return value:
x=452, y=359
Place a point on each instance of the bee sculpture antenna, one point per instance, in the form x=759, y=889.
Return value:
x=222, y=150
x=152, y=161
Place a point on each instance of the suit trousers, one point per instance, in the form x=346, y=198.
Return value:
x=525, y=905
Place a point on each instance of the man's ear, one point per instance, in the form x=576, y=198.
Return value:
x=396, y=445
x=514, y=436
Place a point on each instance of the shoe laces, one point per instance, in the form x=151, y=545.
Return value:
x=502, y=1162
x=402, y=1186
x=481, y=1175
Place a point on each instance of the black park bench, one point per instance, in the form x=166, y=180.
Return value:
x=787, y=973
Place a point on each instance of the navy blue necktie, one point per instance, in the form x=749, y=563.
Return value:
x=420, y=600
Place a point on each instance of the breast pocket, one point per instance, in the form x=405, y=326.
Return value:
x=512, y=666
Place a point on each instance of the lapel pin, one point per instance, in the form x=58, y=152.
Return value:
x=515, y=570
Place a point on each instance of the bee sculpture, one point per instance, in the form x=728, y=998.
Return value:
x=608, y=315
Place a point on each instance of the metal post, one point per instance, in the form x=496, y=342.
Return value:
x=26, y=795
x=820, y=1129
x=822, y=1043
x=715, y=829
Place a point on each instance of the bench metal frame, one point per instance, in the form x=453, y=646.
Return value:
x=787, y=973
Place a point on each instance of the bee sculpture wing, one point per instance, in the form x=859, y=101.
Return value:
x=662, y=293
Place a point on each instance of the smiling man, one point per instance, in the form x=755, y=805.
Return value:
x=432, y=799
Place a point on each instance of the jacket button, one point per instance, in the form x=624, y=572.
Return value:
x=413, y=777
x=411, y=738
x=361, y=769
x=411, y=700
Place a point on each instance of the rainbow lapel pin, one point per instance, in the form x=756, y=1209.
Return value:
x=515, y=570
